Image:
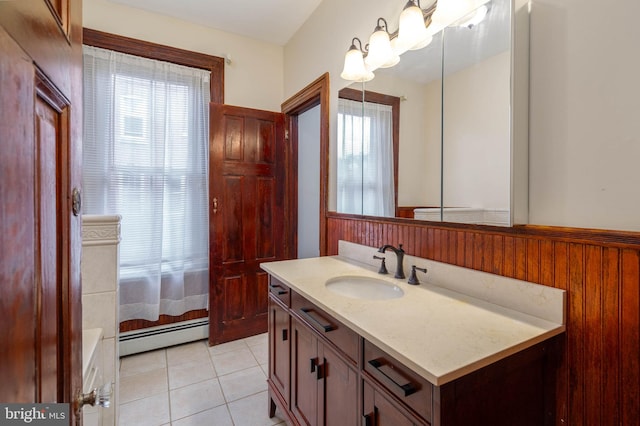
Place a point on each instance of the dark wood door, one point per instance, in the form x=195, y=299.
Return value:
x=40, y=237
x=305, y=373
x=279, y=352
x=247, y=195
x=339, y=390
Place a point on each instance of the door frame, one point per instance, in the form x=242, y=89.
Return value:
x=314, y=94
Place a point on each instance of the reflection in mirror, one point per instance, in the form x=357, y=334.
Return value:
x=367, y=160
x=476, y=120
x=456, y=151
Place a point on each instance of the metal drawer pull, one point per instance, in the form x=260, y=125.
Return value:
x=326, y=327
x=406, y=388
x=279, y=292
x=367, y=420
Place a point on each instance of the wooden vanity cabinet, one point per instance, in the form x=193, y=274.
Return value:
x=279, y=346
x=324, y=380
x=380, y=410
x=323, y=373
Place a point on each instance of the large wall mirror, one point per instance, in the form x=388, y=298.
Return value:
x=442, y=135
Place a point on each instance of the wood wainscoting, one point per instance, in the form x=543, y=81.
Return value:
x=598, y=378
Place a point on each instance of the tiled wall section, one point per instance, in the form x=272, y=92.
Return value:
x=598, y=379
x=100, y=261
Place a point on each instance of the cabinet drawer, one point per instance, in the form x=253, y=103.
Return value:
x=407, y=386
x=337, y=333
x=280, y=291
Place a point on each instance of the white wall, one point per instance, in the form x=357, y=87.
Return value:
x=309, y=183
x=584, y=106
x=254, y=78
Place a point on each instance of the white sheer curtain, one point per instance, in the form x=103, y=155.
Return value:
x=146, y=158
x=365, y=175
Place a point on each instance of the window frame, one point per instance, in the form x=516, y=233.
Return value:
x=145, y=49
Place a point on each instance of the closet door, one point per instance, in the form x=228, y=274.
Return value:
x=40, y=234
x=246, y=210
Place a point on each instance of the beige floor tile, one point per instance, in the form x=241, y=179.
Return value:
x=151, y=411
x=143, y=385
x=258, y=339
x=243, y=383
x=196, y=351
x=218, y=416
x=253, y=411
x=141, y=363
x=190, y=372
x=227, y=347
x=229, y=362
x=195, y=398
x=261, y=352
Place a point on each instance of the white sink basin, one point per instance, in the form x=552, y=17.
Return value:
x=367, y=288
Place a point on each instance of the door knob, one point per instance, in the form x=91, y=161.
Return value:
x=98, y=396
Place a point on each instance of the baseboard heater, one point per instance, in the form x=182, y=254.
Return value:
x=162, y=336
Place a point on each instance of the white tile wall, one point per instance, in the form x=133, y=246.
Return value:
x=100, y=265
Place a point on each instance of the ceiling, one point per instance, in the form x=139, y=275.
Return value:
x=273, y=21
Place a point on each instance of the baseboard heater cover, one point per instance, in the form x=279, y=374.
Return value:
x=162, y=336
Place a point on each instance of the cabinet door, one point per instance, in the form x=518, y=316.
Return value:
x=305, y=374
x=339, y=390
x=279, y=355
x=379, y=411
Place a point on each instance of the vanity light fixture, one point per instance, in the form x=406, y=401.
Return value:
x=412, y=31
x=416, y=29
x=474, y=18
x=380, y=53
x=354, y=68
x=461, y=13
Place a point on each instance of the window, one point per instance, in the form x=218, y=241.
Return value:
x=146, y=159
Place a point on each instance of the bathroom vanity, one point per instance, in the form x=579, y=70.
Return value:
x=463, y=347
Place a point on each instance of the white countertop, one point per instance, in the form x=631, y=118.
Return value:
x=439, y=333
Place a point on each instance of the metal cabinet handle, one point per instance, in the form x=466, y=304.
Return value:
x=367, y=419
x=406, y=389
x=326, y=327
x=278, y=289
x=215, y=205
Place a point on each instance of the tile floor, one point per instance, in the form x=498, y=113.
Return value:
x=194, y=384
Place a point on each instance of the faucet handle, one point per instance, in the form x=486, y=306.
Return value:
x=383, y=266
x=413, y=278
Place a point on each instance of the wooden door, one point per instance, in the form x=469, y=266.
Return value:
x=305, y=373
x=339, y=392
x=247, y=195
x=40, y=237
x=279, y=348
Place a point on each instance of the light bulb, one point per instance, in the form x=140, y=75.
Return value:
x=412, y=33
x=449, y=11
x=380, y=52
x=354, y=69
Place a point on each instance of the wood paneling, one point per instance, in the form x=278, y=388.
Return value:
x=131, y=325
x=598, y=376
